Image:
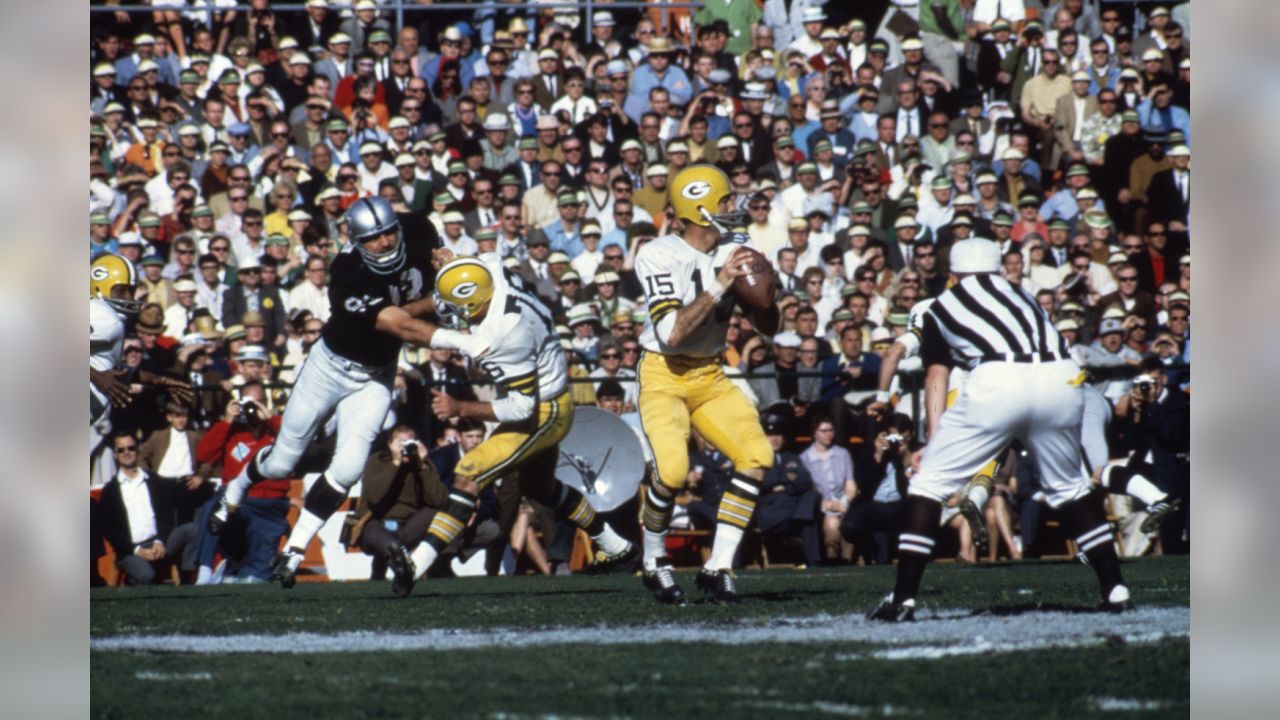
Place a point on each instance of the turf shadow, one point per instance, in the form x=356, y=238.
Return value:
x=156, y=598
x=516, y=593
x=1027, y=608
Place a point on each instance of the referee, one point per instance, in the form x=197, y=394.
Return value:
x=1023, y=385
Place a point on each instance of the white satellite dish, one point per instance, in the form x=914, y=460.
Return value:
x=601, y=457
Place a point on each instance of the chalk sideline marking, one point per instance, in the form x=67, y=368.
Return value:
x=937, y=634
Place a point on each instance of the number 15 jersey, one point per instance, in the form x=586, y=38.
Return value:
x=673, y=274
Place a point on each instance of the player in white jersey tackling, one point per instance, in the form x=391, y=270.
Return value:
x=687, y=280
x=513, y=339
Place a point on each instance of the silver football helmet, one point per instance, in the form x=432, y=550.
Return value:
x=369, y=218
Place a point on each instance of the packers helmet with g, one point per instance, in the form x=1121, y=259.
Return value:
x=113, y=279
x=696, y=194
x=464, y=287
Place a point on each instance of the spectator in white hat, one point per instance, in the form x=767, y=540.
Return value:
x=373, y=169
x=499, y=151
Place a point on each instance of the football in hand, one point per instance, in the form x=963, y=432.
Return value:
x=757, y=288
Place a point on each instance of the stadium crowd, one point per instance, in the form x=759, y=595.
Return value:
x=861, y=140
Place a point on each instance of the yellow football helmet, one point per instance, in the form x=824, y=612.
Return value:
x=464, y=287
x=696, y=194
x=114, y=280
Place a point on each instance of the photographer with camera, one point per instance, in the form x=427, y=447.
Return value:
x=401, y=492
x=250, y=538
x=1153, y=421
x=871, y=522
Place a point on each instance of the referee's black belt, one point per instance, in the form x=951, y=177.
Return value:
x=1038, y=357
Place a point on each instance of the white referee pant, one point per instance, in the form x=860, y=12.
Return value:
x=1041, y=404
x=358, y=395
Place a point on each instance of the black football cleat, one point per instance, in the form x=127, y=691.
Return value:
x=284, y=568
x=218, y=518
x=603, y=563
x=401, y=565
x=719, y=585
x=890, y=611
x=1156, y=512
x=662, y=581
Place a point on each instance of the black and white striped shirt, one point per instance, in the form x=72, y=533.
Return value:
x=985, y=318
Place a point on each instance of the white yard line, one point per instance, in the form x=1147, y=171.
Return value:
x=939, y=634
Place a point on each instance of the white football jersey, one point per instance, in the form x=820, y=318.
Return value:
x=522, y=340
x=673, y=274
x=106, y=347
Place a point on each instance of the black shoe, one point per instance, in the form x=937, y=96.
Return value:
x=719, y=585
x=1156, y=512
x=977, y=525
x=401, y=565
x=604, y=563
x=890, y=611
x=218, y=518
x=662, y=581
x=284, y=568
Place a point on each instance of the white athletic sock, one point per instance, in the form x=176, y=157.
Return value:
x=422, y=556
x=610, y=541
x=1142, y=489
x=655, y=548
x=979, y=494
x=306, y=528
x=724, y=547
x=236, y=490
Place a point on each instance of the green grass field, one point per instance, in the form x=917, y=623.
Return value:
x=1007, y=640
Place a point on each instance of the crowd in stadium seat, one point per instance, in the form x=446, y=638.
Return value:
x=861, y=141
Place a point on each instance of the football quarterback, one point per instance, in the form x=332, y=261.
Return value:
x=687, y=280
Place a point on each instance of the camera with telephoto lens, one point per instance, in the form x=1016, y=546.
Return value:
x=407, y=451
x=894, y=440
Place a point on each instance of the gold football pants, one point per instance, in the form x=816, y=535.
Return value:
x=514, y=444
x=678, y=392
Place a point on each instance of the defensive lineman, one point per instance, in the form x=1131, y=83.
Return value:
x=112, y=283
x=378, y=290
x=514, y=340
x=1023, y=385
x=687, y=284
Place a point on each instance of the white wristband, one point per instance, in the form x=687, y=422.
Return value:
x=882, y=396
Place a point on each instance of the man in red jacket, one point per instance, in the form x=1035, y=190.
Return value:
x=252, y=538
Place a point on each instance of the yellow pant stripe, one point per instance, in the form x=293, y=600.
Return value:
x=732, y=502
x=448, y=522
x=583, y=514
x=444, y=536
x=733, y=518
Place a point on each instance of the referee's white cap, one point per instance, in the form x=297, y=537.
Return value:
x=975, y=255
